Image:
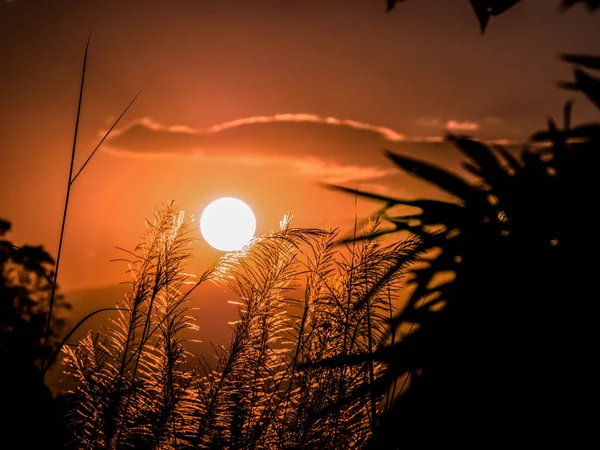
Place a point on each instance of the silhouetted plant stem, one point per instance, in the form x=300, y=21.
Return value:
x=62, y=228
x=373, y=405
x=104, y=138
x=45, y=366
x=341, y=382
x=390, y=392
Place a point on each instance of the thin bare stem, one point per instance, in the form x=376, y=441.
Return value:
x=104, y=138
x=64, y=220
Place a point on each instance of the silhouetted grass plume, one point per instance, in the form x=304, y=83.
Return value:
x=300, y=299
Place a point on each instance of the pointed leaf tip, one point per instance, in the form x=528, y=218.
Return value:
x=435, y=175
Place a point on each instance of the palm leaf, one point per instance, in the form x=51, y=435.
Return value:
x=489, y=165
x=585, y=131
x=589, y=85
x=591, y=62
x=435, y=175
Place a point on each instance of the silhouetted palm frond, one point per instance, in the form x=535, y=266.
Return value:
x=499, y=269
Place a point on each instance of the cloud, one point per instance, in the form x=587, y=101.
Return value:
x=452, y=125
x=385, y=132
x=327, y=148
x=466, y=125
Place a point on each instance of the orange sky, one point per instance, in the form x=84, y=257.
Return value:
x=260, y=100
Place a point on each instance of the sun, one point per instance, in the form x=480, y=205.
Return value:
x=227, y=224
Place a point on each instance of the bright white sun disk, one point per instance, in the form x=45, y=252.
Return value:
x=227, y=224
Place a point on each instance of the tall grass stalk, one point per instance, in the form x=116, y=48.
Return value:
x=66, y=206
x=71, y=180
x=130, y=384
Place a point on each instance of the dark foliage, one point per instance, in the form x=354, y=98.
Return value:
x=584, y=82
x=498, y=339
x=25, y=286
x=486, y=9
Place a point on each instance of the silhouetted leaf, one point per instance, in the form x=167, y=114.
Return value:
x=472, y=168
x=481, y=10
x=435, y=212
x=585, y=83
x=585, y=132
x=591, y=62
x=375, y=235
x=567, y=114
x=512, y=161
x=534, y=166
x=484, y=9
x=379, y=386
x=383, y=198
x=423, y=276
x=552, y=128
x=589, y=85
x=423, y=313
x=391, y=4
x=501, y=6
x=491, y=169
x=4, y=227
x=423, y=204
x=591, y=5
x=435, y=206
x=434, y=174
x=386, y=354
x=400, y=262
